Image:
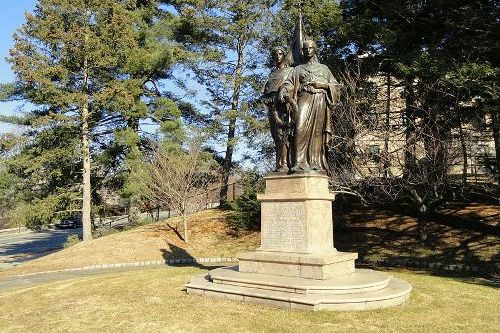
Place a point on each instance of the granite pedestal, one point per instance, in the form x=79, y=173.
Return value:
x=297, y=265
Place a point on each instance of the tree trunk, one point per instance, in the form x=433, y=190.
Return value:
x=228, y=161
x=235, y=99
x=410, y=134
x=422, y=215
x=86, y=204
x=435, y=150
x=184, y=222
x=182, y=214
x=423, y=220
x=496, y=138
x=463, y=145
x=387, y=125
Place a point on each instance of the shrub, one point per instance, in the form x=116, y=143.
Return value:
x=134, y=215
x=246, y=207
x=71, y=240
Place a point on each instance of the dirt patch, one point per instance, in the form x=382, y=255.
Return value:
x=467, y=234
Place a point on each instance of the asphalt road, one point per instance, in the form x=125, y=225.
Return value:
x=20, y=247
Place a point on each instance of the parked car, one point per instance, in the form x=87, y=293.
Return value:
x=71, y=223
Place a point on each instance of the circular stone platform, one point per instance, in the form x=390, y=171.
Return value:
x=362, y=290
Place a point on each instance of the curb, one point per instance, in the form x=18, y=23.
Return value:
x=168, y=262
x=24, y=230
x=399, y=263
x=11, y=231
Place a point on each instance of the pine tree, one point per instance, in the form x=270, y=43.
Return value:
x=443, y=52
x=68, y=59
x=227, y=37
x=148, y=64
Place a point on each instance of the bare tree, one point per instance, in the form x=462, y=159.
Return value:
x=178, y=178
x=398, y=139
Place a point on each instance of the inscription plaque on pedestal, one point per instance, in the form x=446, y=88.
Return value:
x=284, y=229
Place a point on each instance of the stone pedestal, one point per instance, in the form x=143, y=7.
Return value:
x=296, y=214
x=297, y=265
x=319, y=266
x=297, y=230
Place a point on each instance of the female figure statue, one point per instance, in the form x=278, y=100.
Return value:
x=278, y=113
x=313, y=89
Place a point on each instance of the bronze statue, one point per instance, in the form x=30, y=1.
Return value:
x=313, y=90
x=278, y=111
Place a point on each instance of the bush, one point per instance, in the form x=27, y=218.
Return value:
x=72, y=240
x=246, y=207
x=134, y=214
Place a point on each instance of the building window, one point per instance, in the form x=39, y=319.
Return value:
x=374, y=153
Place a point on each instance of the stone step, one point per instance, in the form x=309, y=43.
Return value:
x=396, y=292
x=320, y=266
x=362, y=280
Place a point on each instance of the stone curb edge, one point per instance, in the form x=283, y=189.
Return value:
x=178, y=261
x=402, y=263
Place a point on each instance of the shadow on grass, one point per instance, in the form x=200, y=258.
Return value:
x=493, y=282
x=464, y=277
x=468, y=238
x=181, y=257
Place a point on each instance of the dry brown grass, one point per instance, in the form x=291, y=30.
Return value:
x=458, y=234
x=210, y=236
x=153, y=301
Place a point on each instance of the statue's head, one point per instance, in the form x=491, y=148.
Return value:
x=309, y=48
x=279, y=54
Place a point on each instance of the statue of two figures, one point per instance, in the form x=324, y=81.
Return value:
x=300, y=101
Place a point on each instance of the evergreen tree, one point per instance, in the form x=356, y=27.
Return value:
x=148, y=64
x=227, y=37
x=444, y=54
x=68, y=58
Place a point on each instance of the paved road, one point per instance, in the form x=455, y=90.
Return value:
x=21, y=282
x=17, y=248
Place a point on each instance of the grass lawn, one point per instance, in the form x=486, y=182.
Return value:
x=154, y=301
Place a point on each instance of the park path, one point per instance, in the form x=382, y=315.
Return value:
x=35, y=279
x=32, y=280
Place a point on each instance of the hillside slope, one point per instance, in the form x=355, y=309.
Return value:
x=209, y=232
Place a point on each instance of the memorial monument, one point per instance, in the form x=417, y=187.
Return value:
x=297, y=265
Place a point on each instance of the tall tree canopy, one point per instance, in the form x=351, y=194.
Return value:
x=227, y=36
x=91, y=69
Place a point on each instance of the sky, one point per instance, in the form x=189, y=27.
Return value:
x=11, y=17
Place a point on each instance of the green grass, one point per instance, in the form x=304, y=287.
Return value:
x=154, y=301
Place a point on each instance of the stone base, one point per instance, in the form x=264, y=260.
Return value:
x=319, y=266
x=296, y=214
x=362, y=290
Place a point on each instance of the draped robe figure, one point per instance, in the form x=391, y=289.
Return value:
x=278, y=113
x=313, y=91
